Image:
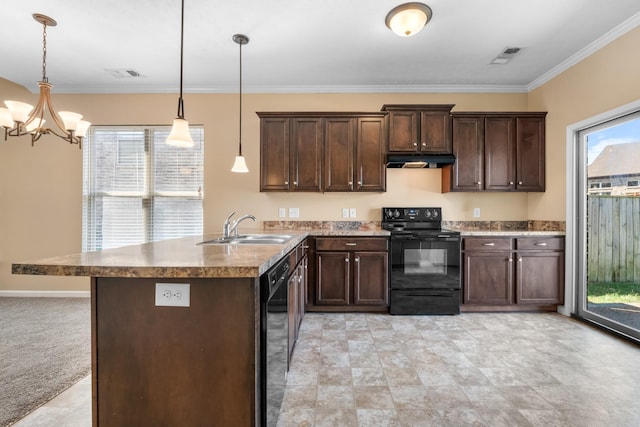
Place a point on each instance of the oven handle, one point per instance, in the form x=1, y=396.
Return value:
x=439, y=238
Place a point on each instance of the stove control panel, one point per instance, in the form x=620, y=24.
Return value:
x=411, y=214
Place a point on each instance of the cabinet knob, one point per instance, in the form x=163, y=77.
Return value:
x=346, y=260
x=479, y=182
x=350, y=183
x=424, y=144
x=286, y=183
x=415, y=144
x=295, y=183
x=520, y=259
x=510, y=260
x=519, y=182
x=359, y=182
x=357, y=259
x=510, y=182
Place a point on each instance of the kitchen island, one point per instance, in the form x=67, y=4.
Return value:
x=168, y=365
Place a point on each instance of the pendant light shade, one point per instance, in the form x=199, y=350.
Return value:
x=180, y=135
x=408, y=19
x=240, y=165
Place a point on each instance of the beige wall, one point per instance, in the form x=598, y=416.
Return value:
x=41, y=191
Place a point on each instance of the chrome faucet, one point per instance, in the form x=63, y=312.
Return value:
x=231, y=229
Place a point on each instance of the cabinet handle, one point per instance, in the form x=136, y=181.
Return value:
x=489, y=244
x=541, y=244
x=350, y=244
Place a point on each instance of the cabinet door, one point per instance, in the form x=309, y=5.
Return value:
x=333, y=271
x=370, y=278
x=302, y=289
x=370, y=170
x=306, y=154
x=540, y=277
x=339, y=154
x=274, y=154
x=403, y=131
x=468, y=148
x=530, y=149
x=435, y=132
x=487, y=278
x=499, y=153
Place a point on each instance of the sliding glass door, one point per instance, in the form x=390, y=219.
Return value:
x=608, y=280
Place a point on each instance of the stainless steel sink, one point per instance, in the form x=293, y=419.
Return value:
x=251, y=239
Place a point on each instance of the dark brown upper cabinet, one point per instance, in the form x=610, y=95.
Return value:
x=290, y=153
x=322, y=152
x=497, y=152
x=416, y=128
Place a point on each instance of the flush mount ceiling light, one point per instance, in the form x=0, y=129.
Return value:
x=408, y=18
x=180, y=135
x=20, y=118
x=240, y=165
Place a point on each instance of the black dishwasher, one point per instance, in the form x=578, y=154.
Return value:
x=274, y=321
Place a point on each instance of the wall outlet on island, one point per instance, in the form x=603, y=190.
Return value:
x=476, y=212
x=173, y=294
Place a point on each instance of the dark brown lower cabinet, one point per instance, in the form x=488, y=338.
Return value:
x=297, y=288
x=351, y=274
x=512, y=273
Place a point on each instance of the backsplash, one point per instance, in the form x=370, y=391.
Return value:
x=530, y=225
x=322, y=225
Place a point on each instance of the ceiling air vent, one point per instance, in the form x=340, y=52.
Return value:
x=123, y=73
x=506, y=55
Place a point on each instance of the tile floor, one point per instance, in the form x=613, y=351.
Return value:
x=489, y=369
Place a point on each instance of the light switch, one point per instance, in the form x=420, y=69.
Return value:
x=345, y=212
x=282, y=213
x=352, y=213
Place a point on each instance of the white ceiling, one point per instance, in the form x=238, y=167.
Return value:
x=303, y=45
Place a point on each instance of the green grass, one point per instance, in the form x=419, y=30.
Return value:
x=612, y=292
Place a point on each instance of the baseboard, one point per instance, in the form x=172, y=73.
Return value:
x=46, y=294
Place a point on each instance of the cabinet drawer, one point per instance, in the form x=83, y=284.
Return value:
x=486, y=244
x=351, y=244
x=540, y=243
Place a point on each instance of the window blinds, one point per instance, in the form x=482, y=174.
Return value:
x=138, y=189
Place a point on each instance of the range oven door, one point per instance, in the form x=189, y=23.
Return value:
x=424, y=262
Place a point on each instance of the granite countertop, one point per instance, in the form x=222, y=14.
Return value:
x=508, y=233
x=179, y=258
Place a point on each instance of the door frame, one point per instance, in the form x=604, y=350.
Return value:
x=575, y=249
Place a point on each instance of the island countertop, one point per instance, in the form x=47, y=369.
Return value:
x=178, y=258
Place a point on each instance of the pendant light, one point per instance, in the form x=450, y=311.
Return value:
x=20, y=118
x=408, y=19
x=240, y=165
x=180, y=135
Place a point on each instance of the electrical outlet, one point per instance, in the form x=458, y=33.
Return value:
x=282, y=213
x=294, y=212
x=352, y=212
x=345, y=212
x=476, y=212
x=173, y=294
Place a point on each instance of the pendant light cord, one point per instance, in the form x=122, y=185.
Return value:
x=180, y=102
x=240, y=96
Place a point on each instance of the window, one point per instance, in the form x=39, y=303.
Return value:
x=138, y=189
x=632, y=183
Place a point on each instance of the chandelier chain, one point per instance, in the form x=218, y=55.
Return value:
x=44, y=52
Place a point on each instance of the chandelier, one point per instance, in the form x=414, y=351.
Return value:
x=20, y=118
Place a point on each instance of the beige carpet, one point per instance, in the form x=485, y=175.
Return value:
x=45, y=347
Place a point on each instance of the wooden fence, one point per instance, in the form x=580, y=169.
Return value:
x=613, y=239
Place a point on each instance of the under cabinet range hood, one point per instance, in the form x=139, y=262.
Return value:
x=419, y=161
